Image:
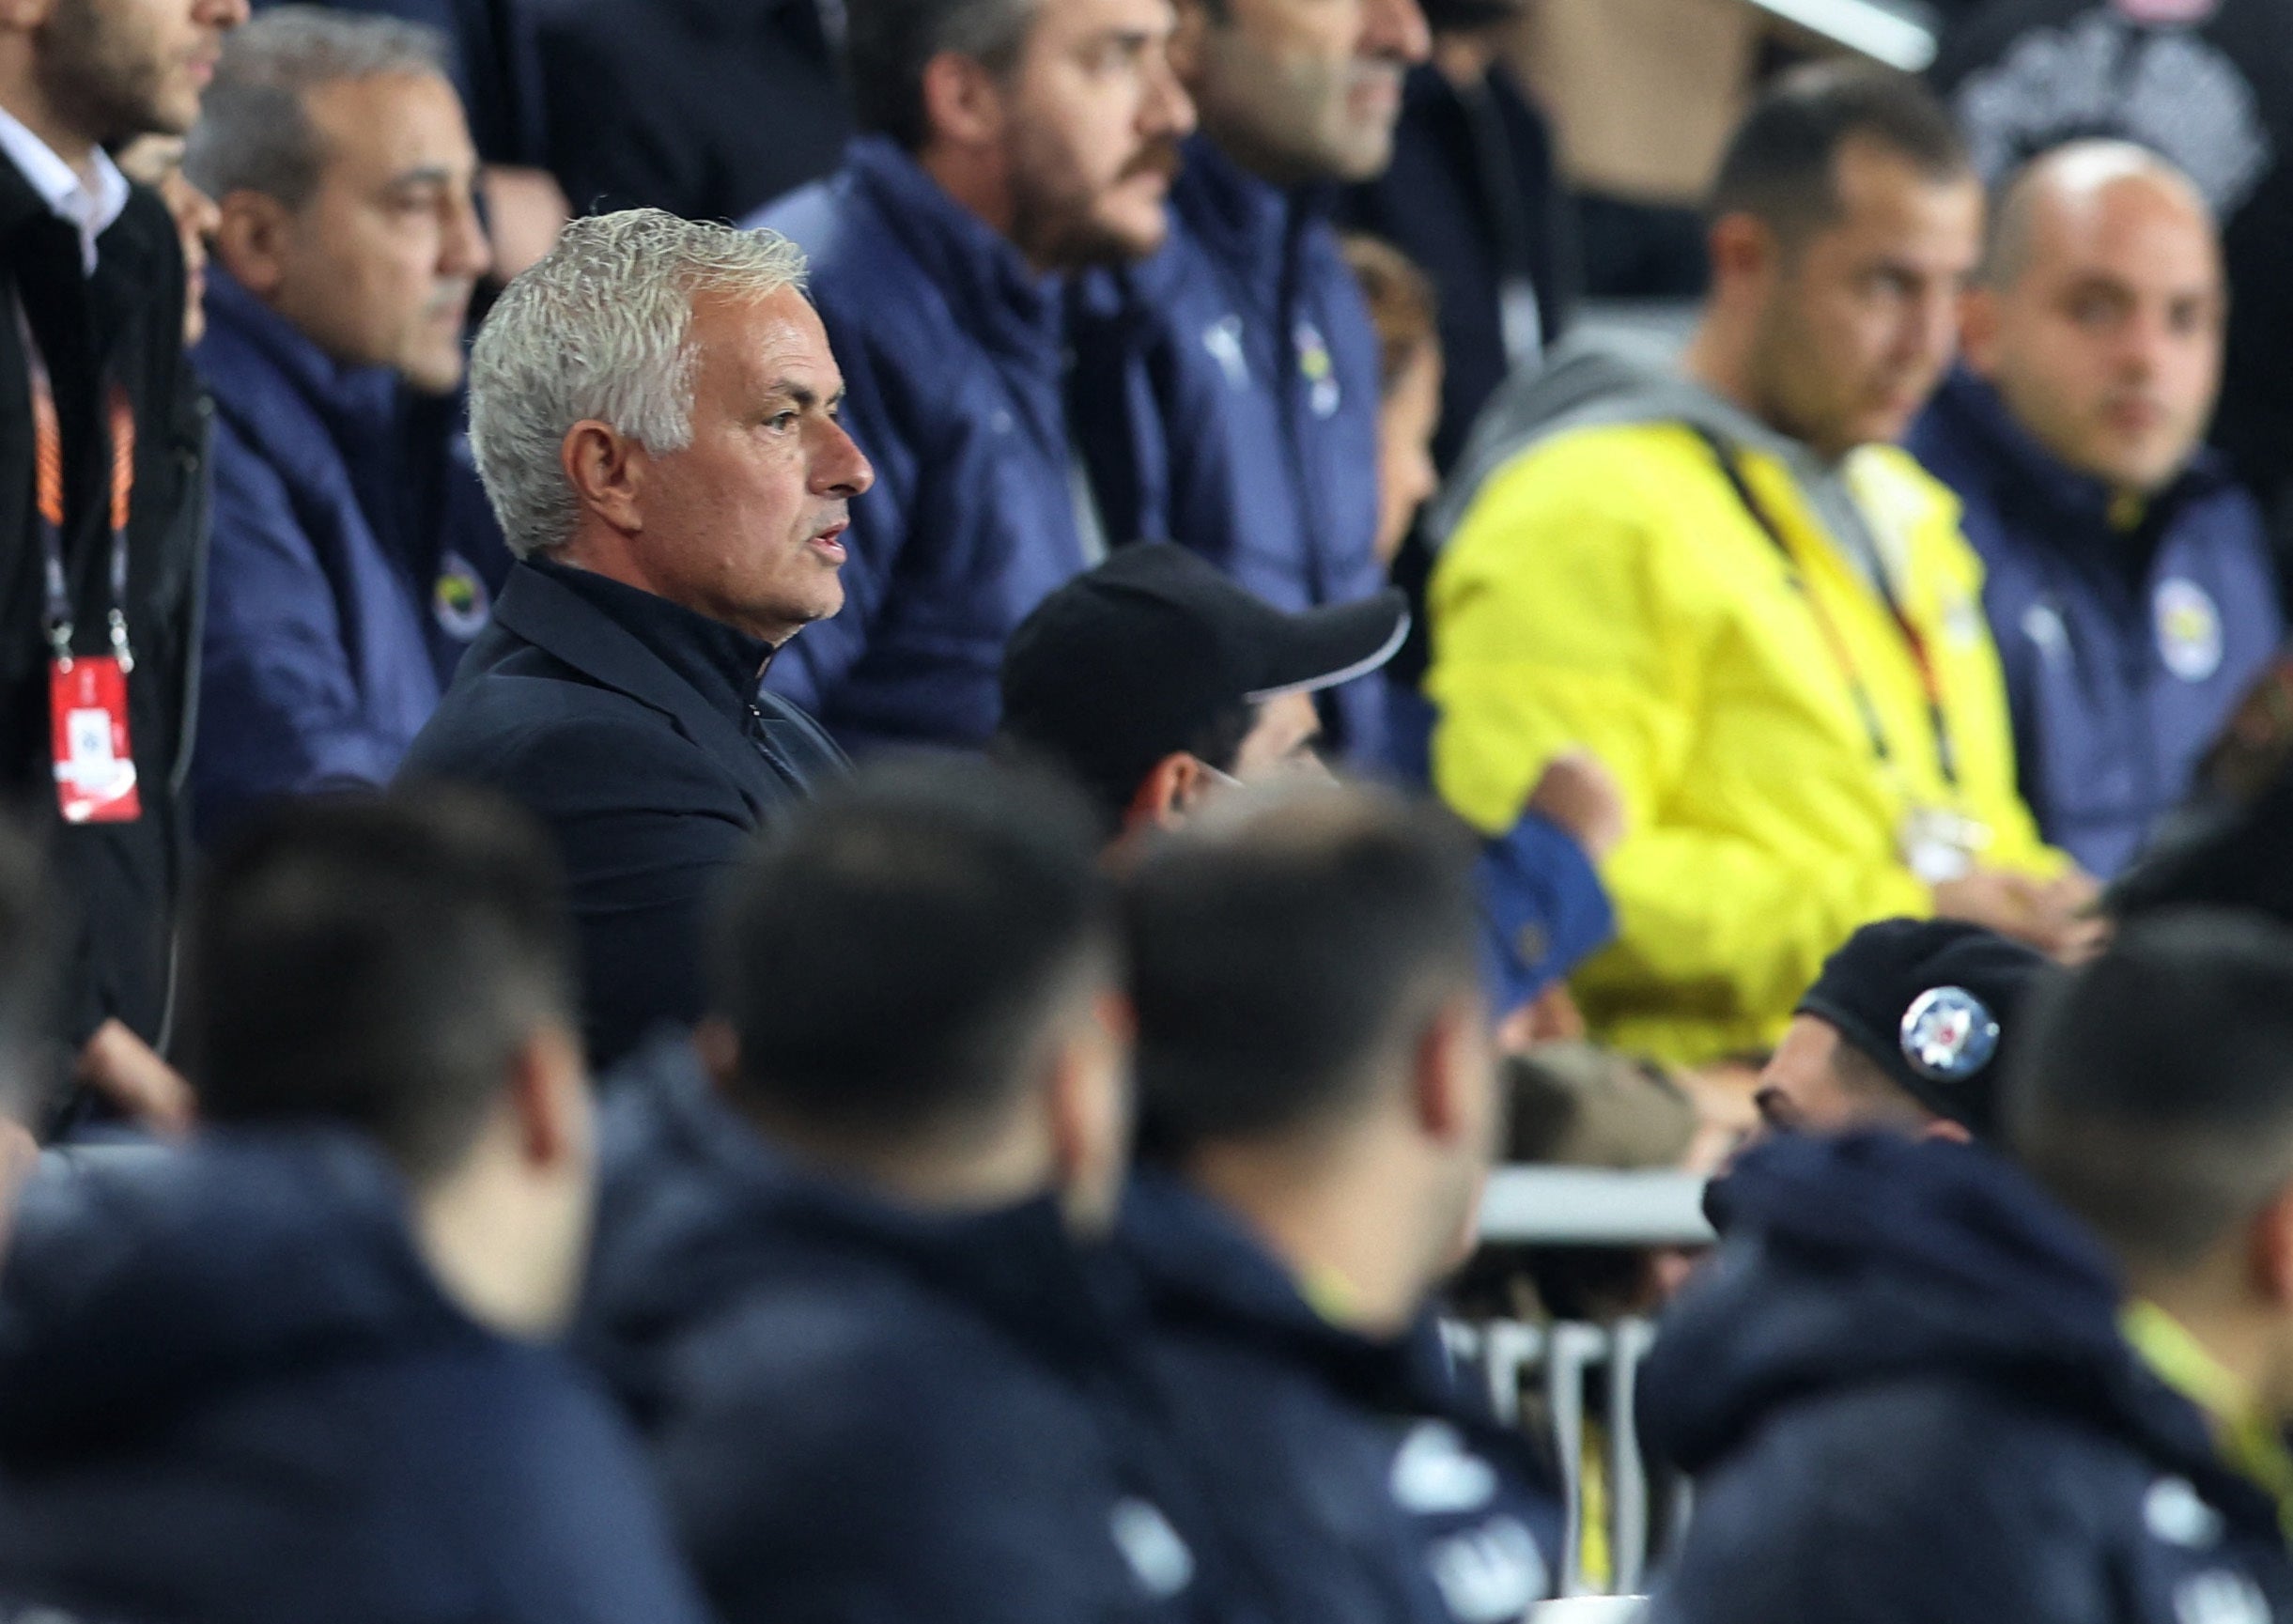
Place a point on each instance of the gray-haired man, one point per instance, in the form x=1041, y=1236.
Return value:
x=654, y=409
x=353, y=551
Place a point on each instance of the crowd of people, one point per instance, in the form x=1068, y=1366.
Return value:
x=797, y=803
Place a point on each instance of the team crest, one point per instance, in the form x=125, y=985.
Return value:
x=1949, y=1034
x=2189, y=629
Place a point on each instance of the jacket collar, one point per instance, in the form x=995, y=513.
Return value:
x=701, y=674
x=242, y=329
x=1969, y=407
x=1017, y=1266
x=1242, y=221
x=992, y=289
x=1202, y=1266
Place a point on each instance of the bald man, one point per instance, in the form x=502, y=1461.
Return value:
x=2129, y=579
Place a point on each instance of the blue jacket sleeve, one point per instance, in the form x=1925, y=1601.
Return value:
x=1544, y=909
x=814, y=665
x=280, y=710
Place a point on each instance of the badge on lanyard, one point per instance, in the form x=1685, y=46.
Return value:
x=87, y=694
x=95, y=769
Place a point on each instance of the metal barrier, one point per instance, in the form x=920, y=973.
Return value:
x=1584, y=1207
x=1592, y=1207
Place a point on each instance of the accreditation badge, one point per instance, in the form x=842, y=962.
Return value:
x=95, y=765
x=1940, y=845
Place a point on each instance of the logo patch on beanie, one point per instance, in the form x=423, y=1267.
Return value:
x=1948, y=1035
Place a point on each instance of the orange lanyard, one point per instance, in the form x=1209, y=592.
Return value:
x=1938, y=717
x=48, y=490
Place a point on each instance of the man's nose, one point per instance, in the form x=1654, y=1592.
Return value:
x=840, y=468
x=1395, y=30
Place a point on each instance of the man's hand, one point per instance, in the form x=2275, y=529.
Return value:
x=2056, y=916
x=1577, y=792
x=126, y=1071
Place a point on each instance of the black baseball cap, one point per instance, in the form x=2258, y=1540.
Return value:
x=1934, y=1003
x=1135, y=659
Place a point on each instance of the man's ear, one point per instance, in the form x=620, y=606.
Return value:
x=1744, y=251
x=2269, y=1247
x=718, y=1047
x=254, y=234
x=1978, y=331
x=1452, y=1085
x=1090, y=1110
x=606, y=470
x=963, y=102
x=1169, y=791
x=549, y=1096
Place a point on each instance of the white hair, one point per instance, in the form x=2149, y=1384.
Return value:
x=598, y=328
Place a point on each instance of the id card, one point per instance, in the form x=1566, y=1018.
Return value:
x=1940, y=845
x=95, y=767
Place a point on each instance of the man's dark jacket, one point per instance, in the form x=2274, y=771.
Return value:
x=2125, y=648
x=124, y=323
x=656, y=103
x=231, y=1392
x=863, y=1412
x=352, y=563
x=954, y=367
x=1361, y=1487
x=1903, y=1393
x=1471, y=197
x=636, y=732
x=1226, y=396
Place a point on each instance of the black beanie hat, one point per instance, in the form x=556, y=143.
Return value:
x=1934, y=1003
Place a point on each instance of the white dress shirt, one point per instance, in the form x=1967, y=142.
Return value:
x=60, y=186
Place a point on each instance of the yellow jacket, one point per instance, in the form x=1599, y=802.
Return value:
x=1606, y=588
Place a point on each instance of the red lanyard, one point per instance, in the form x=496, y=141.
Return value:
x=48, y=490
x=1938, y=717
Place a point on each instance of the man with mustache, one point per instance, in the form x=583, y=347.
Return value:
x=352, y=549
x=1246, y=427
x=1006, y=144
x=2127, y=572
x=1762, y=619
x=654, y=409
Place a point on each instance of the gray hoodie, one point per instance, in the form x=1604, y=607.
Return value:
x=1599, y=381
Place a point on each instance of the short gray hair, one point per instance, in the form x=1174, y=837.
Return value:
x=254, y=133
x=598, y=328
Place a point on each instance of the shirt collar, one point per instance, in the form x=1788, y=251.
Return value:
x=60, y=186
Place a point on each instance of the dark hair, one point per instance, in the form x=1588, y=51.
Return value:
x=1781, y=164
x=1276, y=956
x=2154, y=1097
x=889, y=42
x=1108, y=765
x=1401, y=303
x=889, y=957
x=375, y=960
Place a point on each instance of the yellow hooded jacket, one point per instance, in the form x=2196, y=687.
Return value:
x=1608, y=588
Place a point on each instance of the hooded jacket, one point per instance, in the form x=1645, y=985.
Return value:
x=2126, y=647
x=863, y=1412
x=954, y=370
x=1603, y=584
x=232, y=1393
x=1904, y=1395
x=354, y=560
x=1361, y=1486
x=1225, y=391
